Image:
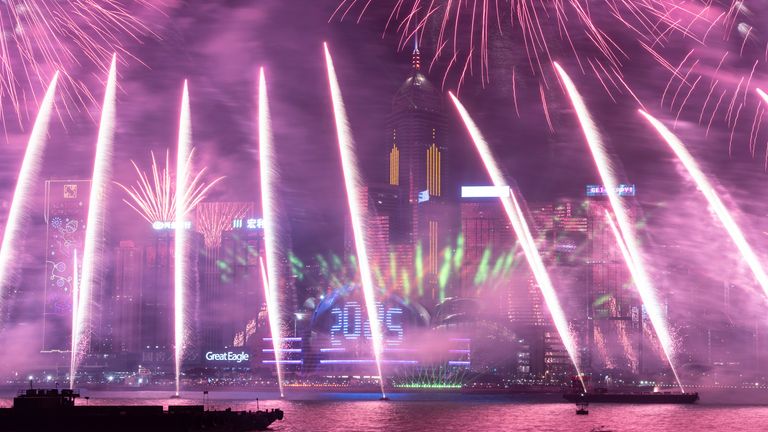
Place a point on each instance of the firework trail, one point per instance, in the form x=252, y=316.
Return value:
x=357, y=212
x=22, y=194
x=635, y=262
x=40, y=35
x=94, y=235
x=714, y=201
x=213, y=218
x=523, y=233
x=602, y=349
x=267, y=168
x=626, y=344
x=75, y=298
x=632, y=269
x=154, y=198
x=180, y=270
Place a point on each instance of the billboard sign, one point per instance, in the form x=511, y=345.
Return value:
x=485, y=191
x=622, y=190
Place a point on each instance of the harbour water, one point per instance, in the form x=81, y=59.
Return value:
x=453, y=413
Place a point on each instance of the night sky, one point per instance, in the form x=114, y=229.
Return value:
x=218, y=47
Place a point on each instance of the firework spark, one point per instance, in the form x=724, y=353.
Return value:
x=267, y=165
x=213, y=218
x=640, y=276
x=357, y=212
x=541, y=29
x=74, y=343
x=525, y=239
x=154, y=198
x=623, y=337
x=703, y=184
x=603, y=39
x=180, y=265
x=41, y=35
x=22, y=195
x=95, y=224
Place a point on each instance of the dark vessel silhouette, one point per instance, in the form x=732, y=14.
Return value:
x=582, y=394
x=581, y=408
x=632, y=398
x=53, y=409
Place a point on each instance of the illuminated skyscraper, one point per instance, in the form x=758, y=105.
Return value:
x=487, y=234
x=66, y=211
x=490, y=248
x=417, y=166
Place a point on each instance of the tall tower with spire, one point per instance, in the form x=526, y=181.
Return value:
x=416, y=158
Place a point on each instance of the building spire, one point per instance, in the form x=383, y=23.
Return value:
x=416, y=56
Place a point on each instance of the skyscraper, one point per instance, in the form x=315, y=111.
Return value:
x=487, y=234
x=417, y=163
x=156, y=332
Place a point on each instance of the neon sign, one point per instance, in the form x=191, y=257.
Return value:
x=622, y=190
x=348, y=324
x=251, y=224
x=169, y=225
x=228, y=356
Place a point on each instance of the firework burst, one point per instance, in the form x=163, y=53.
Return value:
x=213, y=218
x=153, y=196
x=41, y=36
x=543, y=30
x=711, y=52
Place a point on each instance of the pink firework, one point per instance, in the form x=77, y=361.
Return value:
x=594, y=34
x=153, y=196
x=42, y=36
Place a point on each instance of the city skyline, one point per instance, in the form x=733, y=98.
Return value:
x=387, y=219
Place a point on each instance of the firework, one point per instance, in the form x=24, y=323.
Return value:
x=267, y=165
x=540, y=29
x=603, y=39
x=635, y=261
x=523, y=233
x=154, y=198
x=721, y=70
x=602, y=349
x=40, y=35
x=213, y=218
x=357, y=212
x=180, y=270
x=95, y=223
x=714, y=201
x=74, y=343
x=22, y=195
x=624, y=339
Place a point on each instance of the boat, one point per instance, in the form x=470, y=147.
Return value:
x=581, y=392
x=598, y=396
x=581, y=408
x=54, y=409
